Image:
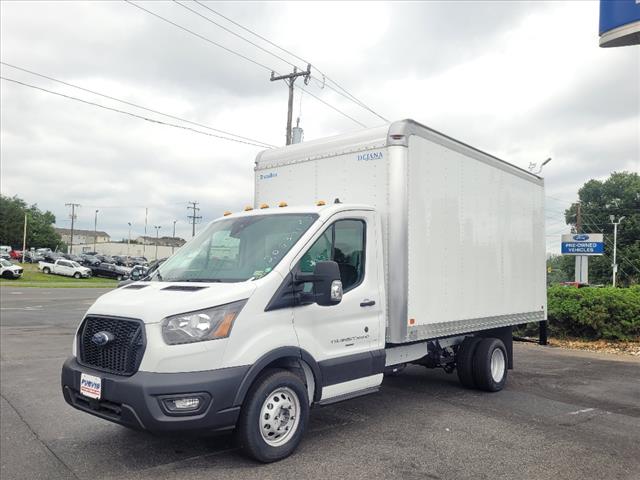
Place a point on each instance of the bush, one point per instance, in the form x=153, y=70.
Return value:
x=594, y=313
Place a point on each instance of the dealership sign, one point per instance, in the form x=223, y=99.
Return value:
x=582, y=244
x=619, y=23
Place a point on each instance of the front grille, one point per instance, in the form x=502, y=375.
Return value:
x=121, y=355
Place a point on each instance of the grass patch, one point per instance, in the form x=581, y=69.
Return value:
x=32, y=277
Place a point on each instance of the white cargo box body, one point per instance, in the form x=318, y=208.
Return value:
x=463, y=231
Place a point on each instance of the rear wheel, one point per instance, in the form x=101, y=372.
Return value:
x=274, y=416
x=464, y=361
x=490, y=365
x=119, y=277
x=46, y=270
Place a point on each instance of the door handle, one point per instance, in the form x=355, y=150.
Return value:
x=367, y=303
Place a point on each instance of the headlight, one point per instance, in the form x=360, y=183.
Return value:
x=208, y=324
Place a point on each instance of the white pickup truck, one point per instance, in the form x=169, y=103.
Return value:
x=65, y=267
x=362, y=253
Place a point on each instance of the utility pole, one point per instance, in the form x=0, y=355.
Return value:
x=615, y=242
x=173, y=243
x=579, y=218
x=24, y=238
x=144, y=239
x=73, y=219
x=95, y=230
x=129, y=239
x=193, y=206
x=289, y=80
x=157, y=227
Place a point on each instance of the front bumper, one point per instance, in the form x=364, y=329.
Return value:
x=135, y=401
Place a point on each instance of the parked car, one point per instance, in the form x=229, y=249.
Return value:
x=5, y=255
x=140, y=272
x=65, y=267
x=90, y=260
x=140, y=261
x=574, y=284
x=109, y=270
x=33, y=257
x=16, y=255
x=106, y=259
x=52, y=257
x=9, y=270
x=72, y=257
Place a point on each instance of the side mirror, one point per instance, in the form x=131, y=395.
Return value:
x=327, y=286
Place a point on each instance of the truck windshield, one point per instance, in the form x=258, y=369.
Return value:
x=235, y=249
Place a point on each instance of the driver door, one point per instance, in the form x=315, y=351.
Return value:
x=345, y=338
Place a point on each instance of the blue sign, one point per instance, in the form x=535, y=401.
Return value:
x=583, y=248
x=582, y=244
x=619, y=22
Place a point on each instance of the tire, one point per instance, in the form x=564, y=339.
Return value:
x=257, y=424
x=464, y=361
x=46, y=270
x=119, y=278
x=7, y=275
x=77, y=275
x=490, y=365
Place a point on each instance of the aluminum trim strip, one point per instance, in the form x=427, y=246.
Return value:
x=434, y=330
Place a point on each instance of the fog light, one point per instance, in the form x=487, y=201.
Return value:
x=182, y=404
x=186, y=403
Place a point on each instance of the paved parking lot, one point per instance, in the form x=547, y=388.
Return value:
x=563, y=415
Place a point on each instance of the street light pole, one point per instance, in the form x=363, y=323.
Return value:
x=129, y=238
x=95, y=230
x=173, y=243
x=157, y=227
x=615, y=242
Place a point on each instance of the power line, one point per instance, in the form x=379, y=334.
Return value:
x=235, y=34
x=201, y=37
x=152, y=120
x=135, y=105
x=208, y=40
x=346, y=93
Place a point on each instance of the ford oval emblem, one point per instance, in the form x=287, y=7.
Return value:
x=581, y=238
x=102, y=338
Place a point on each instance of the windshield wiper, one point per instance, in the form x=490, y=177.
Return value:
x=203, y=280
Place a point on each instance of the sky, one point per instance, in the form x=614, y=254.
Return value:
x=524, y=81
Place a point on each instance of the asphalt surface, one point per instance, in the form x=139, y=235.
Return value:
x=563, y=415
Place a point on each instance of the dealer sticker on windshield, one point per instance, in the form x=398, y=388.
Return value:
x=90, y=386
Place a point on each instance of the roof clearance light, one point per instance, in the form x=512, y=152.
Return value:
x=320, y=203
x=248, y=208
x=282, y=204
x=264, y=205
x=227, y=213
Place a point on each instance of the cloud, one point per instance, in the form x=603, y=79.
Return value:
x=522, y=80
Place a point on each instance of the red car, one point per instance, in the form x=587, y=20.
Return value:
x=16, y=254
x=574, y=284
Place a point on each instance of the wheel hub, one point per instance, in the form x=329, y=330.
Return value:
x=279, y=416
x=498, y=365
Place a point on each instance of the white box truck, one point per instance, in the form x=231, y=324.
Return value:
x=362, y=253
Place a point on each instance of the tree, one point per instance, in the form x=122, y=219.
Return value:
x=40, y=232
x=618, y=195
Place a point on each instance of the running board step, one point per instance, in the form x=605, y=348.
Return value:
x=348, y=396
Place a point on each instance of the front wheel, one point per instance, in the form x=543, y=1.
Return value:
x=77, y=275
x=274, y=416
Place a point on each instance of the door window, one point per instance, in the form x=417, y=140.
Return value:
x=344, y=243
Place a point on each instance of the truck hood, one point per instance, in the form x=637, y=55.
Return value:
x=153, y=301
